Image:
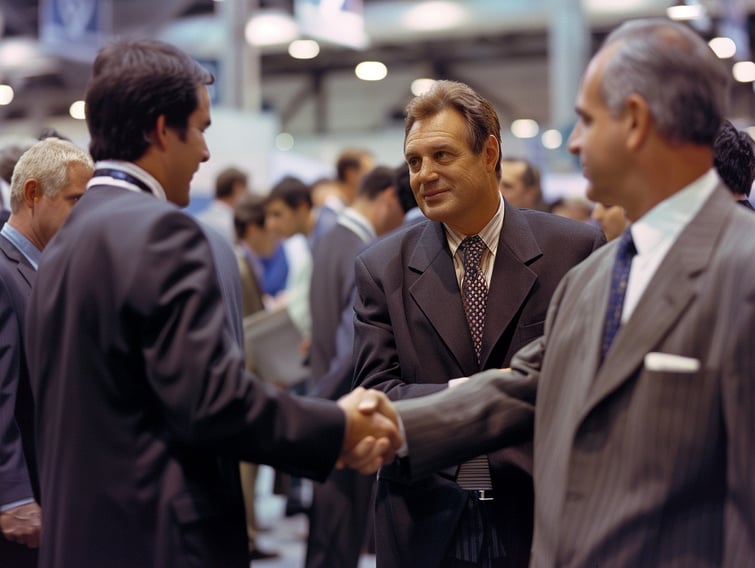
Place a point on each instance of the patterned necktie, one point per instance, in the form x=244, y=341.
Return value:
x=474, y=290
x=474, y=474
x=619, y=279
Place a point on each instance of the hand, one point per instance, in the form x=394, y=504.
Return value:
x=22, y=524
x=372, y=436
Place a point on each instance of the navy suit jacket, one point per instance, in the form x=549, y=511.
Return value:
x=411, y=337
x=142, y=403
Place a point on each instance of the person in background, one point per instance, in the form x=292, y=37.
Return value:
x=143, y=407
x=611, y=218
x=231, y=185
x=339, y=514
x=520, y=183
x=48, y=180
x=572, y=207
x=734, y=158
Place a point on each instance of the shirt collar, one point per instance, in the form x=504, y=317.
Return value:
x=665, y=221
x=490, y=233
x=131, y=169
x=24, y=245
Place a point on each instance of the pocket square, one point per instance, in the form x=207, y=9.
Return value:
x=671, y=363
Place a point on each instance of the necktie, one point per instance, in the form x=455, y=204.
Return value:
x=619, y=279
x=474, y=474
x=474, y=290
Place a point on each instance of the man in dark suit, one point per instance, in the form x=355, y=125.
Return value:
x=48, y=180
x=142, y=404
x=340, y=506
x=413, y=333
x=644, y=452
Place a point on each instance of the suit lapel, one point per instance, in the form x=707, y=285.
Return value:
x=436, y=293
x=670, y=291
x=511, y=280
x=23, y=266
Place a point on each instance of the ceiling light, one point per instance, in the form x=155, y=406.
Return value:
x=744, y=71
x=271, y=28
x=421, y=86
x=284, y=141
x=6, y=94
x=437, y=15
x=688, y=11
x=304, y=49
x=524, y=128
x=77, y=110
x=371, y=71
x=723, y=47
x=552, y=139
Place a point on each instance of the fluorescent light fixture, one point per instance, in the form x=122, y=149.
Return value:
x=552, y=139
x=271, y=28
x=6, y=95
x=744, y=71
x=436, y=15
x=421, y=86
x=77, y=110
x=304, y=49
x=524, y=128
x=371, y=71
x=684, y=12
x=723, y=47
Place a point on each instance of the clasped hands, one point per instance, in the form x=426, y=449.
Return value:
x=372, y=434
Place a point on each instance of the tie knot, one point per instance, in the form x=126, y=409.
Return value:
x=472, y=249
x=626, y=248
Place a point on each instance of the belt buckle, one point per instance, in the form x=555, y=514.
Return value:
x=484, y=494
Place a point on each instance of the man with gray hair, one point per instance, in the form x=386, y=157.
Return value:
x=47, y=181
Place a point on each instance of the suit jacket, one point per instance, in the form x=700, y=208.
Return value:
x=636, y=464
x=18, y=464
x=143, y=407
x=412, y=337
x=332, y=304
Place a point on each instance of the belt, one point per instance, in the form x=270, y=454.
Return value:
x=483, y=494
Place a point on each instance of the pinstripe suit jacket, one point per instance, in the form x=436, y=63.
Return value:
x=633, y=467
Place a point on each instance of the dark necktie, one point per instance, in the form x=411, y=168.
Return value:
x=474, y=474
x=619, y=278
x=474, y=290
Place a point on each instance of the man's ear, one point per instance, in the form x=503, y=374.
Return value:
x=639, y=121
x=159, y=134
x=491, y=149
x=32, y=192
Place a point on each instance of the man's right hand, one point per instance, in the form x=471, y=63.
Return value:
x=22, y=524
x=372, y=435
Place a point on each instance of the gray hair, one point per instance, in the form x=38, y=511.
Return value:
x=666, y=63
x=48, y=162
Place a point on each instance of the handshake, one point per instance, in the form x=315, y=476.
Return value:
x=372, y=434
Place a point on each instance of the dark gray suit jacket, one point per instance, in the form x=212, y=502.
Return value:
x=412, y=337
x=636, y=464
x=143, y=406
x=18, y=464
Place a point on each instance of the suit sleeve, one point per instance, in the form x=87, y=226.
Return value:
x=375, y=349
x=494, y=410
x=15, y=484
x=197, y=372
